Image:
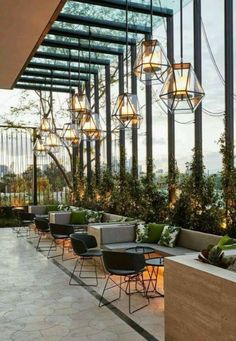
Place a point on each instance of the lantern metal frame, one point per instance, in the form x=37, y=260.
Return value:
x=70, y=134
x=90, y=126
x=39, y=147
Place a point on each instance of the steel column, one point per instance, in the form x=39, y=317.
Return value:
x=108, y=116
x=122, y=131
x=35, y=187
x=229, y=79
x=171, y=117
x=88, y=143
x=97, y=142
x=149, y=152
x=134, y=127
x=198, y=71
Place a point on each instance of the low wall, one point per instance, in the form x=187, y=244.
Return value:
x=200, y=301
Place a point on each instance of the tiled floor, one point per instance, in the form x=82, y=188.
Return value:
x=37, y=303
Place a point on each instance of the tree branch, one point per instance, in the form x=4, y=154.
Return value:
x=61, y=169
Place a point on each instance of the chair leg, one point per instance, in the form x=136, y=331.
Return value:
x=72, y=274
x=105, y=288
x=50, y=248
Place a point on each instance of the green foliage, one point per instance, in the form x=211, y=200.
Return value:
x=198, y=206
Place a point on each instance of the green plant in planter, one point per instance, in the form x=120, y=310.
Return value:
x=215, y=256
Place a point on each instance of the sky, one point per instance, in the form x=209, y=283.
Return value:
x=213, y=20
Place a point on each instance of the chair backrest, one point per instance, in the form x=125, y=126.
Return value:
x=78, y=243
x=64, y=230
x=25, y=216
x=115, y=260
x=41, y=224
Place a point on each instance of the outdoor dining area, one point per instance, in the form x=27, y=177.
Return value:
x=117, y=170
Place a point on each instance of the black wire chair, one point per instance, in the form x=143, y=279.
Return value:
x=130, y=267
x=25, y=219
x=84, y=246
x=42, y=228
x=59, y=232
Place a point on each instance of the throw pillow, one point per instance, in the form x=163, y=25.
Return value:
x=141, y=233
x=225, y=240
x=51, y=208
x=78, y=218
x=154, y=232
x=94, y=216
x=169, y=236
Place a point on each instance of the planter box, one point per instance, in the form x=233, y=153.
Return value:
x=200, y=301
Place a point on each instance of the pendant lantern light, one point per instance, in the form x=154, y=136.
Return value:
x=127, y=110
x=182, y=90
x=79, y=101
x=70, y=133
x=45, y=125
x=90, y=126
x=52, y=142
x=151, y=64
x=39, y=148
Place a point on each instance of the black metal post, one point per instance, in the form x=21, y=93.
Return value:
x=171, y=117
x=149, y=153
x=122, y=131
x=75, y=152
x=108, y=116
x=35, y=187
x=88, y=143
x=97, y=142
x=229, y=80
x=198, y=70
x=134, y=127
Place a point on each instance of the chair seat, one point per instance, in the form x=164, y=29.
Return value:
x=60, y=236
x=92, y=253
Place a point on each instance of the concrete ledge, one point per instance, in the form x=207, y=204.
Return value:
x=200, y=301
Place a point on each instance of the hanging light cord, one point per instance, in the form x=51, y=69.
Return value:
x=181, y=31
x=127, y=59
x=151, y=10
x=70, y=72
x=79, y=60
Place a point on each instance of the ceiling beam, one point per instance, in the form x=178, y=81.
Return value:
x=67, y=58
x=115, y=26
x=43, y=88
x=48, y=81
x=56, y=75
x=46, y=66
x=133, y=7
x=78, y=34
x=81, y=47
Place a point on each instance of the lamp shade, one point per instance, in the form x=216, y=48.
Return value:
x=127, y=110
x=70, y=133
x=39, y=148
x=182, y=91
x=151, y=64
x=45, y=125
x=80, y=104
x=90, y=126
x=52, y=142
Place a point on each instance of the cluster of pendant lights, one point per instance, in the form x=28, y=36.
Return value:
x=181, y=91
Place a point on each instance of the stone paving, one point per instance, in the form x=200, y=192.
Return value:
x=37, y=303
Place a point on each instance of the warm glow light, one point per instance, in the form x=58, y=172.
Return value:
x=70, y=133
x=53, y=142
x=151, y=62
x=80, y=103
x=224, y=224
x=126, y=112
x=90, y=126
x=181, y=86
x=45, y=125
x=39, y=147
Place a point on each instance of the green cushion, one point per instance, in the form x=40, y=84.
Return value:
x=78, y=218
x=154, y=232
x=169, y=236
x=51, y=208
x=225, y=240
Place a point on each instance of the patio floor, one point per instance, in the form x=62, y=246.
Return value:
x=37, y=303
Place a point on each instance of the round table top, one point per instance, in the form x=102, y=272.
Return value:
x=141, y=249
x=159, y=261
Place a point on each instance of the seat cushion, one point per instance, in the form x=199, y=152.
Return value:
x=78, y=217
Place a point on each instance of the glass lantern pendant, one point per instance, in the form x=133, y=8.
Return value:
x=52, y=142
x=90, y=126
x=45, y=125
x=127, y=110
x=39, y=148
x=70, y=133
x=182, y=91
x=80, y=104
x=151, y=64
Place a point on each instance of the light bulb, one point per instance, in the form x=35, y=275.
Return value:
x=126, y=112
x=151, y=62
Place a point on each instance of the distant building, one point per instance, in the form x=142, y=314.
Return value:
x=3, y=170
